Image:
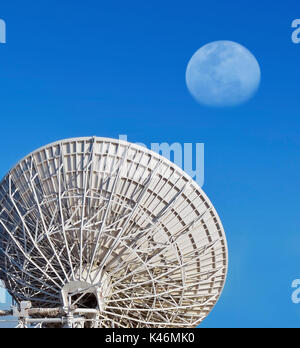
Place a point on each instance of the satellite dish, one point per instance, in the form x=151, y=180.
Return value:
x=98, y=232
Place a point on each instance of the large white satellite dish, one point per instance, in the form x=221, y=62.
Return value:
x=103, y=233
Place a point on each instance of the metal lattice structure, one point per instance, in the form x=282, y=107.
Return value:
x=111, y=232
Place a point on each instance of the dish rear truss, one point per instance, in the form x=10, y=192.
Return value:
x=108, y=232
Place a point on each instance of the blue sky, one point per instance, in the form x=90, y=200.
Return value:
x=108, y=68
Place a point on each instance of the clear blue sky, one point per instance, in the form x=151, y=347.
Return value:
x=74, y=68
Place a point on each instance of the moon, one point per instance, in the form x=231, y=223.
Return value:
x=223, y=73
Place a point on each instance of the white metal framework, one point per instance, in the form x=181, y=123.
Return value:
x=103, y=231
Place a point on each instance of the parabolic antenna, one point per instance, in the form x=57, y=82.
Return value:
x=98, y=232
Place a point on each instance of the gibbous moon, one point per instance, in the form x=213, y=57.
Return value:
x=223, y=73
